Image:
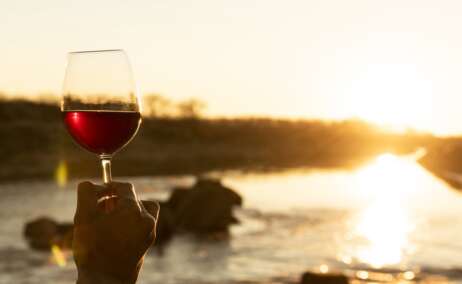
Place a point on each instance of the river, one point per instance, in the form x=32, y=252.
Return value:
x=389, y=221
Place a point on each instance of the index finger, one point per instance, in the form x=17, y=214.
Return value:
x=86, y=202
x=126, y=194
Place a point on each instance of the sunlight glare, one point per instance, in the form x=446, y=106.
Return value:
x=409, y=275
x=362, y=275
x=383, y=226
x=324, y=268
x=393, y=95
x=385, y=231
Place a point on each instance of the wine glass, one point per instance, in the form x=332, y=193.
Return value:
x=100, y=104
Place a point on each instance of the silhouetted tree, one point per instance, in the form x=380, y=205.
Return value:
x=157, y=106
x=191, y=108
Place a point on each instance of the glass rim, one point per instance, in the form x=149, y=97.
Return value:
x=96, y=51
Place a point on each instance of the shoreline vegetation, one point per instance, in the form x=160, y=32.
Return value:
x=176, y=139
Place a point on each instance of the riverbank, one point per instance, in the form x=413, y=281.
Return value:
x=35, y=145
x=444, y=160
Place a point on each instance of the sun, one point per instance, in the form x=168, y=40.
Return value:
x=393, y=95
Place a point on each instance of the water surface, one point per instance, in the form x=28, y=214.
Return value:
x=389, y=221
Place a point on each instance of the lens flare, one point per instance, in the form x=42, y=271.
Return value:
x=61, y=174
x=58, y=257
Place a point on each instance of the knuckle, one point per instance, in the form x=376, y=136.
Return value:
x=84, y=185
x=124, y=185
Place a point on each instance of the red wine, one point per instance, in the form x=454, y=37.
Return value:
x=102, y=132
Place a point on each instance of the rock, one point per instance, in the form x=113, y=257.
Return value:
x=44, y=232
x=177, y=197
x=314, y=278
x=40, y=233
x=206, y=208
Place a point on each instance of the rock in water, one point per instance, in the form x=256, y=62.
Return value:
x=314, y=278
x=206, y=208
x=44, y=232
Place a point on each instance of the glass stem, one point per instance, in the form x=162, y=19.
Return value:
x=106, y=164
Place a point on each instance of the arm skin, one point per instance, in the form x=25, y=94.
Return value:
x=109, y=247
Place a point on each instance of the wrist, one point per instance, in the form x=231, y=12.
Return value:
x=91, y=277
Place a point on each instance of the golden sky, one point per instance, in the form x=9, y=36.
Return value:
x=394, y=62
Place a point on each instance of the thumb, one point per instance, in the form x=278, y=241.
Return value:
x=152, y=207
x=151, y=217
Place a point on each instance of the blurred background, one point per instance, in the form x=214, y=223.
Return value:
x=325, y=134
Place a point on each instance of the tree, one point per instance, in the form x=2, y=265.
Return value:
x=157, y=106
x=191, y=108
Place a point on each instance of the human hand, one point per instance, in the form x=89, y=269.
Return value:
x=109, y=246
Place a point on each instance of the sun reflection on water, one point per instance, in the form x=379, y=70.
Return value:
x=382, y=229
x=385, y=235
